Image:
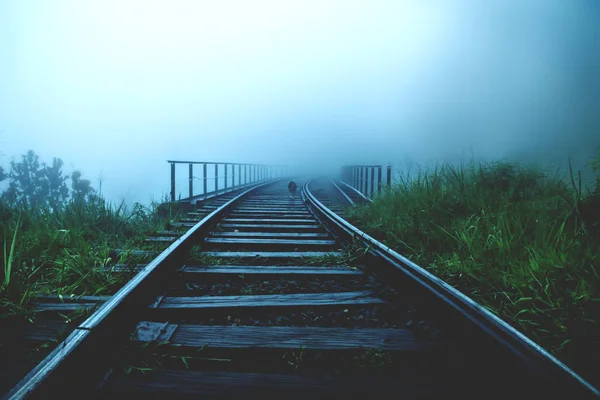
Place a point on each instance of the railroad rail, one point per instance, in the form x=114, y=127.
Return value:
x=261, y=294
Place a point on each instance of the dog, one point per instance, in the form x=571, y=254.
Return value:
x=292, y=188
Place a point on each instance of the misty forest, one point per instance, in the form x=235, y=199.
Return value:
x=487, y=113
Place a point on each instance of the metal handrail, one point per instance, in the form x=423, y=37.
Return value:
x=357, y=176
x=252, y=173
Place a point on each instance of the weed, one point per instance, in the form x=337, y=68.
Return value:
x=66, y=249
x=295, y=359
x=521, y=243
x=247, y=291
x=373, y=359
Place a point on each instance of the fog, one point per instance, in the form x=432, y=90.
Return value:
x=116, y=88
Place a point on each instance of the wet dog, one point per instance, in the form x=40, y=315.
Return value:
x=292, y=188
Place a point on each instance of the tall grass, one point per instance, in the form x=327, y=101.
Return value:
x=523, y=243
x=64, y=250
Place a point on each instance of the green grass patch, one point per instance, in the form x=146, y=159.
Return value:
x=523, y=243
x=65, y=249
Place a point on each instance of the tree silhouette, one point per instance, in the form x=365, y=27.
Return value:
x=81, y=187
x=54, y=182
x=36, y=184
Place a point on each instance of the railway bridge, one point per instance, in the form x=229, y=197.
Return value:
x=253, y=292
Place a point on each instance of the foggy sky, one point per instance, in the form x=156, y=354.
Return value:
x=118, y=87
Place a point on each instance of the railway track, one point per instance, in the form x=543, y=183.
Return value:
x=261, y=295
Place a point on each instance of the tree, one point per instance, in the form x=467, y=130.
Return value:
x=36, y=184
x=81, y=187
x=55, y=183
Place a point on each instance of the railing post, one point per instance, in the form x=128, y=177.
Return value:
x=364, y=185
x=245, y=174
x=191, y=180
x=372, y=181
x=204, y=178
x=172, y=181
x=216, y=177
x=363, y=180
x=232, y=175
x=379, y=179
x=225, y=180
x=389, y=175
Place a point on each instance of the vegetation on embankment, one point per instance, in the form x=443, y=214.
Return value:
x=522, y=243
x=58, y=240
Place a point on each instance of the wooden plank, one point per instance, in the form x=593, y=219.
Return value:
x=271, y=206
x=270, y=226
x=169, y=233
x=196, y=215
x=299, y=242
x=161, y=239
x=276, y=198
x=47, y=334
x=266, y=220
x=272, y=203
x=268, y=300
x=64, y=306
x=290, y=235
x=267, y=215
x=206, y=208
x=47, y=330
x=53, y=302
x=271, y=254
x=200, y=384
x=136, y=253
x=268, y=270
x=246, y=208
x=278, y=337
x=126, y=268
x=265, y=210
x=70, y=298
x=181, y=224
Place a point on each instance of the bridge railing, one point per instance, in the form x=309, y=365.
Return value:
x=362, y=178
x=216, y=177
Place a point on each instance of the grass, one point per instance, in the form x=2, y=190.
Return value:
x=523, y=243
x=372, y=358
x=65, y=250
